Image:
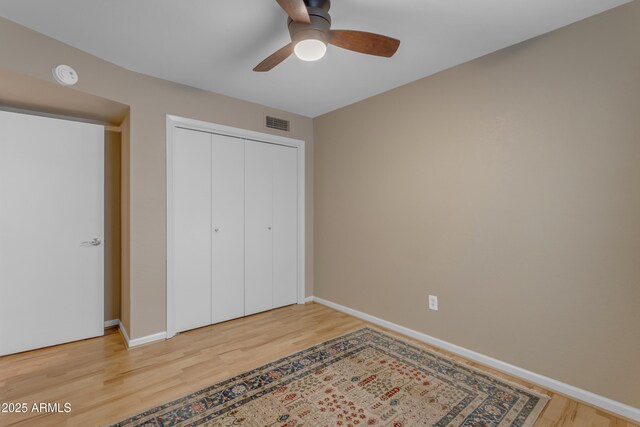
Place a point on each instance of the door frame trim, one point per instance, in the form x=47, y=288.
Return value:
x=214, y=128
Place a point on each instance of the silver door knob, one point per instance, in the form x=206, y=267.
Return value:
x=269, y=228
x=92, y=242
x=216, y=230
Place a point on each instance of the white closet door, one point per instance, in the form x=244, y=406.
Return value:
x=228, y=228
x=258, y=227
x=191, y=272
x=51, y=201
x=285, y=225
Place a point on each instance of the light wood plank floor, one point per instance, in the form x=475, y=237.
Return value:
x=104, y=382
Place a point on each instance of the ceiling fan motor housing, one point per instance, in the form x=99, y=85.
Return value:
x=318, y=29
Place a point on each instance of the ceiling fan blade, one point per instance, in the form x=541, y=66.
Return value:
x=363, y=42
x=275, y=58
x=296, y=9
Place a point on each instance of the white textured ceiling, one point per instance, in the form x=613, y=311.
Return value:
x=214, y=44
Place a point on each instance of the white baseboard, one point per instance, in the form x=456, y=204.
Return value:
x=605, y=403
x=139, y=341
x=111, y=323
x=308, y=300
x=147, y=339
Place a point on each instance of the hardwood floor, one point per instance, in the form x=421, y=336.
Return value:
x=104, y=382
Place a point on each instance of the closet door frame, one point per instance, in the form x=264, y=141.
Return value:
x=197, y=125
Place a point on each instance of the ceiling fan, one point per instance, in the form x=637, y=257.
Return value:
x=310, y=29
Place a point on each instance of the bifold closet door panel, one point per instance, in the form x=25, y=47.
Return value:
x=258, y=227
x=228, y=228
x=285, y=225
x=51, y=231
x=191, y=228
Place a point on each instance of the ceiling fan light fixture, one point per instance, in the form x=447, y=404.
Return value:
x=310, y=49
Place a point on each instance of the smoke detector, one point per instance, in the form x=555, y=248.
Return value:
x=65, y=75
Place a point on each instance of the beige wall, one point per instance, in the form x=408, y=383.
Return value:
x=112, y=231
x=150, y=99
x=23, y=92
x=508, y=187
x=125, y=225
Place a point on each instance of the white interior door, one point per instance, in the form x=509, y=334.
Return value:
x=51, y=201
x=191, y=240
x=258, y=227
x=228, y=228
x=285, y=225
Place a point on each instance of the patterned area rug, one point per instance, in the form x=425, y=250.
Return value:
x=365, y=378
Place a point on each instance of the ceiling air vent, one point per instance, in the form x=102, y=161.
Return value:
x=278, y=124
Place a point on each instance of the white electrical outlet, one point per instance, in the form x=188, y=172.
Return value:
x=433, y=302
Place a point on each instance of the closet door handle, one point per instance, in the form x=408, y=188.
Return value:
x=268, y=228
x=216, y=230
